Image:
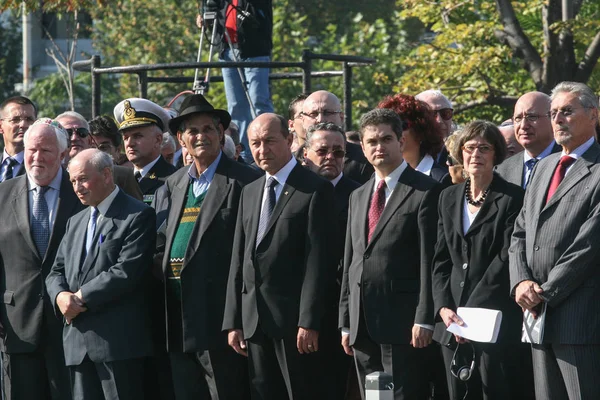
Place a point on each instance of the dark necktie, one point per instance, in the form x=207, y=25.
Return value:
x=91, y=229
x=376, y=207
x=40, y=225
x=529, y=164
x=138, y=176
x=559, y=175
x=8, y=165
x=265, y=215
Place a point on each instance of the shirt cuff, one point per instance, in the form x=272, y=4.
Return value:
x=345, y=331
x=430, y=327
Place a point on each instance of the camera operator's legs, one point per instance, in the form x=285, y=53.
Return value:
x=237, y=102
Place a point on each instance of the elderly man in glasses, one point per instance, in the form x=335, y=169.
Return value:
x=533, y=130
x=80, y=139
x=16, y=115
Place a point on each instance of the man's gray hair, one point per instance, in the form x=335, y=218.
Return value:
x=323, y=126
x=234, y=132
x=76, y=115
x=99, y=160
x=586, y=96
x=62, y=137
x=433, y=93
x=229, y=147
x=168, y=140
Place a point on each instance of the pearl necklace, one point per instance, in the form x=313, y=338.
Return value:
x=475, y=203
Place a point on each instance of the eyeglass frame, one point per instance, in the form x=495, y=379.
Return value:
x=329, y=151
x=18, y=120
x=519, y=118
x=439, y=111
x=479, y=147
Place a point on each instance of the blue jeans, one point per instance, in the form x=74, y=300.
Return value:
x=237, y=102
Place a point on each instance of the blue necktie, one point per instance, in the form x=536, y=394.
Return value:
x=529, y=164
x=40, y=225
x=91, y=229
x=265, y=215
x=8, y=165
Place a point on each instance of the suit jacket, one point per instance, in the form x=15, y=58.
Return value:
x=206, y=263
x=156, y=177
x=471, y=270
x=26, y=304
x=356, y=166
x=512, y=169
x=440, y=174
x=281, y=283
x=113, y=280
x=555, y=244
x=123, y=177
x=390, y=277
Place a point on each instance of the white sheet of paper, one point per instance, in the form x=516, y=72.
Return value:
x=480, y=324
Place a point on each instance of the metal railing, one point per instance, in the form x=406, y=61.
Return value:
x=93, y=65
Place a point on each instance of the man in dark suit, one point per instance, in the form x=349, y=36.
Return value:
x=554, y=258
x=280, y=268
x=16, y=115
x=324, y=106
x=200, y=227
x=99, y=284
x=78, y=130
x=324, y=155
x=386, y=310
x=142, y=123
x=34, y=213
x=533, y=131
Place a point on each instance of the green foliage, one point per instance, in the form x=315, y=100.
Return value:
x=10, y=56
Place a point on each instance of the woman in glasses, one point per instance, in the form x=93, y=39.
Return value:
x=422, y=138
x=470, y=266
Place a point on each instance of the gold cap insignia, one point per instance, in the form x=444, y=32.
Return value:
x=129, y=111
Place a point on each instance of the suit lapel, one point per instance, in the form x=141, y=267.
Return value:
x=67, y=202
x=456, y=204
x=401, y=192
x=20, y=204
x=362, y=199
x=488, y=211
x=254, y=195
x=217, y=193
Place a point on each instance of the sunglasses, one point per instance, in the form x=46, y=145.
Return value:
x=445, y=113
x=81, y=132
x=324, y=152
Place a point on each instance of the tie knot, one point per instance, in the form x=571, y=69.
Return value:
x=531, y=163
x=41, y=190
x=566, y=161
x=272, y=182
x=10, y=162
x=138, y=175
x=382, y=185
x=94, y=213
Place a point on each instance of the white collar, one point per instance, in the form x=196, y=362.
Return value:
x=144, y=171
x=282, y=175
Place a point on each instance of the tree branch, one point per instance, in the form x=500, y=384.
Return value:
x=514, y=37
x=586, y=66
x=503, y=101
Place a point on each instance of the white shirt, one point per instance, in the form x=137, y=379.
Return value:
x=336, y=180
x=106, y=203
x=51, y=197
x=468, y=217
x=144, y=171
x=425, y=165
x=281, y=177
x=578, y=152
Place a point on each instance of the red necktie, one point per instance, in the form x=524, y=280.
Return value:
x=376, y=207
x=559, y=175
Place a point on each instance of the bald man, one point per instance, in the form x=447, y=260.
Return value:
x=533, y=130
x=323, y=106
x=281, y=265
x=507, y=129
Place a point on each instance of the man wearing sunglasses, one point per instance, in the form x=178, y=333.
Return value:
x=80, y=139
x=441, y=107
x=324, y=106
x=16, y=115
x=324, y=152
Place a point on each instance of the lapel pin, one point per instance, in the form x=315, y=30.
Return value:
x=285, y=193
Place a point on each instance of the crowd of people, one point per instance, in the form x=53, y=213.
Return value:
x=143, y=257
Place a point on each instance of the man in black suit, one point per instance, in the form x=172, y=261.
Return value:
x=280, y=268
x=16, y=115
x=99, y=281
x=533, y=131
x=324, y=106
x=34, y=213
x=386, y=310
x=324, y=155
x=200, y=226
x=142, y=123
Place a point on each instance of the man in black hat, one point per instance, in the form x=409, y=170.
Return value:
x=198, y=242
x=142, y=123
